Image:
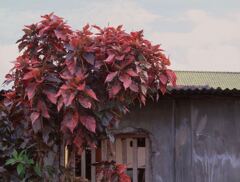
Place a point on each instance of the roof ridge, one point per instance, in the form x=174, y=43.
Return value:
x=222, y=72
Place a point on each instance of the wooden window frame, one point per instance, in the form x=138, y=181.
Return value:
x=105, y=155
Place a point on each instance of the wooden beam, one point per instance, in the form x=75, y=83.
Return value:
x=135, y=160
x=147, y=160
x=93, y=168
x=83, y=164
x=104, y=149
x=62, y=154
x=73, y=162
x=111, y=151
x=65, y=156
x=124, y=151
x=61, y=158
x=130, y=135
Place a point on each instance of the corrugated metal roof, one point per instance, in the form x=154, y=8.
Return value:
x=207, y=80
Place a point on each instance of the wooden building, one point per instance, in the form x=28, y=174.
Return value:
x=191, y=135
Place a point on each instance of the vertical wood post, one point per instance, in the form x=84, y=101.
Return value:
x=93, y=168
x=66, y=156
x=73, y=162
x=104, y=150
x=135, y=160
x=62, y=154
x=124, y=151
x=61, y=158
x=111, y=151
x=83, y=164
x=147, y=160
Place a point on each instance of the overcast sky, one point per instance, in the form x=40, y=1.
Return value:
x=196, y=34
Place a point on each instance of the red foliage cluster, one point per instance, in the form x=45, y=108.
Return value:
x=120, y=170
x=82, y=80
x=110, y=171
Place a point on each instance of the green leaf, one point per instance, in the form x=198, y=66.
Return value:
x=37, y=170
x=30, y=161
x=22, y=153
x=10, y=162
x=15, y=154
x=22, y=156
x=20, y=169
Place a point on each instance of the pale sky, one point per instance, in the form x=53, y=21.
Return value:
x=196, y=34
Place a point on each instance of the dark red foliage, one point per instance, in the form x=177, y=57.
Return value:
x=75, y=79
x=110, y=171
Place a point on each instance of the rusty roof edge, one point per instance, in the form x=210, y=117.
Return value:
x=198, y=71
x=199, y=89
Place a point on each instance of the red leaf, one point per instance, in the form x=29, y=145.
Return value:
x=143, y=99
x=51, y=96
x=70, y=120
x=127, y=50
x=110, y=59
x=121, y=168
x=165, y=60
x=28, y=75
x=34, y=116
x=81, y=87
x=89, y=122
x=134, y=87
x=68, y=98
x=66, y=75
x=60, y=104
x=131, y=72
x=86, y=29
x=85, y=102
x=120, y=58
x=74, y=42
x=98, y=28
x=60, y=35
x=163, y=79
x=34, y=73
x=163, y=89
x=111, y=76
x=80, y=75
x=71, y=65
x=43, y=108
x=124, y=64
x=78, y=141
x=114, y=90
x=43, y=30
x=90, y=58
x=119, y=27
x=10, y=95
x=144, y=89
x=171, y=76
x=31, y=90
x=91, y=93
x=124, y=178
x=126, y=79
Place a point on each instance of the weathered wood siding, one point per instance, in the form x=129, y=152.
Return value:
x=193, y=139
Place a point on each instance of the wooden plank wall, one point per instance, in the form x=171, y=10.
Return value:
x=207, y=140
x=193, y=139
x=183, y=142
x=215, y=140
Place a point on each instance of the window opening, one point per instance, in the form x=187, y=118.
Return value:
x=133, y=151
